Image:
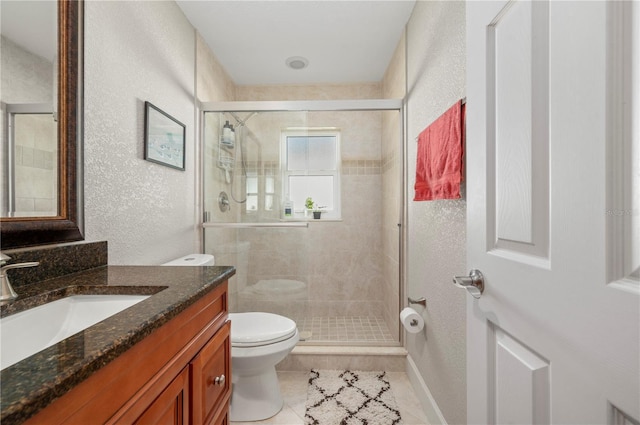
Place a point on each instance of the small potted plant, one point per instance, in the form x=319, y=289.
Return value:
x=314, y=207
x=308, y=205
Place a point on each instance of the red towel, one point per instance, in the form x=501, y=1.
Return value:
x=439, y=160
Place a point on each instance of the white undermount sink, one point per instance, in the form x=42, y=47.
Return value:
x=28, y=332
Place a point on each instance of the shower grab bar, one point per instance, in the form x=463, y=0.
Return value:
x=251, y=225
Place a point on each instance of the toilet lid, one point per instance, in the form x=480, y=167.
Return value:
x=254, y=329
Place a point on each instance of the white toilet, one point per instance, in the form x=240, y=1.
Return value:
x=259, y=341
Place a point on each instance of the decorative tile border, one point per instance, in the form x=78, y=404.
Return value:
x=361, y=167
x=350, y=167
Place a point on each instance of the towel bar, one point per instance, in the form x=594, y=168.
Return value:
x=252, y=225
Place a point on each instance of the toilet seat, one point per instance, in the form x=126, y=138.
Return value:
x=255, y=329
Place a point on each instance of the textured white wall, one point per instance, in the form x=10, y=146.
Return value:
x=137, y=52
x=437, y=240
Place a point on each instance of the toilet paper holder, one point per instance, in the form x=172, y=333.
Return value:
x=422, y=301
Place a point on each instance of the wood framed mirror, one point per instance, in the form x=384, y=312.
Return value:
x=65, y=224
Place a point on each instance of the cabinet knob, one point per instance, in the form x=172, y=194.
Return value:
x=219, y=380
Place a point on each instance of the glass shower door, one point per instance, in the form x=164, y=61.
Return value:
x=332, y=275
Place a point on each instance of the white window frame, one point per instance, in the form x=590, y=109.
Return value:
x=299, y=212
x=253, y=175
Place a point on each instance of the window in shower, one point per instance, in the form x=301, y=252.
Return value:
x=252, y=192
x=269, y=190
x=311, y=168
x=260, y=184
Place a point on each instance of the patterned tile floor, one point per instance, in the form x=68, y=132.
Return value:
x=344, y=329
x=294, y=391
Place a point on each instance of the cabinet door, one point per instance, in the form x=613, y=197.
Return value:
x=211, y=378
x=171, y=407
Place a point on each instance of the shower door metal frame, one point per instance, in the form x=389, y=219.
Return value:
x=325, y=105
x=304, y=105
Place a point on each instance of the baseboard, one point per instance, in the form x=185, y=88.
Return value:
x=429, y=405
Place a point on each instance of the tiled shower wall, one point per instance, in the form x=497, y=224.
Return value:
x=36, y=165
x=340, y=261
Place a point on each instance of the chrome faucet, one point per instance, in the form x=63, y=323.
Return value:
x=7, y=293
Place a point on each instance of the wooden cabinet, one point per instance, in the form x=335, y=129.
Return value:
x=179, y=374
x=198, y=395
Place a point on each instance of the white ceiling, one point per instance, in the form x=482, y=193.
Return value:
x=345, y=41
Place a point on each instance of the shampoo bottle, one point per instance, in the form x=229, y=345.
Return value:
x=227, y=135
x=288, y=207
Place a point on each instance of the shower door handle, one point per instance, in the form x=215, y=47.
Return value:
x=474, y=283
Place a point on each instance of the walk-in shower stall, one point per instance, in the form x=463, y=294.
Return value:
x=339, y=276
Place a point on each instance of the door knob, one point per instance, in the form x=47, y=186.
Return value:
x=474, y=283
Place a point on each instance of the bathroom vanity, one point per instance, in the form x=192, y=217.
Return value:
x=166, y=359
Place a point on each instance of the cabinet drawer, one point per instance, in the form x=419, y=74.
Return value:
x=211, y=377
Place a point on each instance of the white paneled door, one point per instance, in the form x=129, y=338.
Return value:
x=553, y=185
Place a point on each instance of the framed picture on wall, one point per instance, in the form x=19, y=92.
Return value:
x=164, y=138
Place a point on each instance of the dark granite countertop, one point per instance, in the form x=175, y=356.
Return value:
x=33, y=383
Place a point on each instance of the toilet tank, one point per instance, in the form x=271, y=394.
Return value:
x=193, y=260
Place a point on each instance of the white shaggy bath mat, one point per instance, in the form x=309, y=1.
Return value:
x=344, y=397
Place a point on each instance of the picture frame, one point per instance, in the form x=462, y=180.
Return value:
x=164, y=138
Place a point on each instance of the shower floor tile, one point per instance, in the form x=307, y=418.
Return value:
x=344, y=329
